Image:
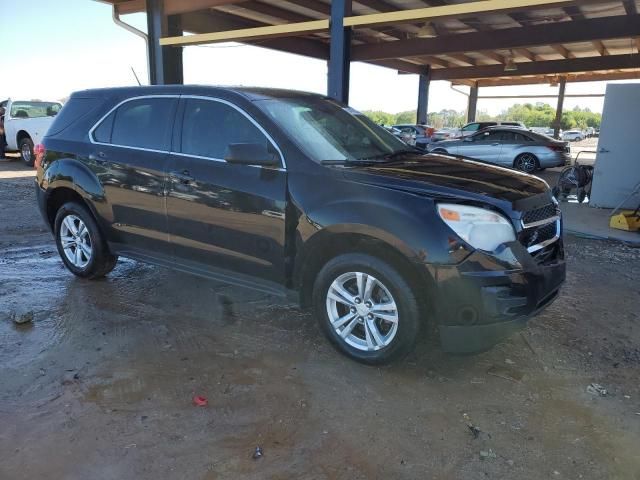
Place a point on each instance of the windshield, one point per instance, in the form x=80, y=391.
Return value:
x=34, y=109
x=325, y=130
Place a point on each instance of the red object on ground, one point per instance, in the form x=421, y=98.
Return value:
x=199, y=401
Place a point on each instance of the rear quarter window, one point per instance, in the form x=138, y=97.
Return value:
x=74, y=110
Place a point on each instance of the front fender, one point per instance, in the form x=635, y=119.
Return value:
x=406, y=221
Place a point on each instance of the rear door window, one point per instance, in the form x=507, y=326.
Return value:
x=209, y=127
x=142, y=123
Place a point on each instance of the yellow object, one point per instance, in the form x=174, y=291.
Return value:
x=626, y=220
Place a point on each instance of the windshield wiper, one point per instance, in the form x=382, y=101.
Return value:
x=393, y=155
x=346, y=161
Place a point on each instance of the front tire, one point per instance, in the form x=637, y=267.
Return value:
x=526, y=162
x=26, y=151
x=80, y=243
x=366, y=308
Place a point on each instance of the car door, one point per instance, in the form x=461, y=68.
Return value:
x=485, y=146
x=513, y=144
x=224, y=216
x=129, y=155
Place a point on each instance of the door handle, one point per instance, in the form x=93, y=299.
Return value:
x=183, y=177
x=495, y=144
x=603, y=150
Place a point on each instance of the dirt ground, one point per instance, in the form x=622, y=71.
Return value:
x=99, y=384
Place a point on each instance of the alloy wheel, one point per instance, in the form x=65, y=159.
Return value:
x=26, y=152
x=76, y=241
x=362, y=311
x=526, y=163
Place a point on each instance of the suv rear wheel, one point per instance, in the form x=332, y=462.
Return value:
x=80, y=243
x=366, y=308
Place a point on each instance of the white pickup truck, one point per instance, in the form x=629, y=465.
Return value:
x=25, y=123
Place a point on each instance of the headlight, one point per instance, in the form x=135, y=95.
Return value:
x=480, y=228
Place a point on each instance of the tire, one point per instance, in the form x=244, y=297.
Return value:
x=87, y=254
x=526, y=162
x=26, y=151
x=392, y=340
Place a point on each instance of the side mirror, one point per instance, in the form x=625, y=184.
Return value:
x=251, y=154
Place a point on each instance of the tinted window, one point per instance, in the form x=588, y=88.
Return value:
x=471, y=127
x=210, y=126
x=103, y=132
x=75, y=109
x=488, y=137
x=144, y=123
x=513, y=137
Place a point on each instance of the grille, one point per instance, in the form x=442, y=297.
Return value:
x=539, y=214
x=534, y=236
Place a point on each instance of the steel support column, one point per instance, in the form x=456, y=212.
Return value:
x=558, y=121
x=473, y=103
x=155, y=16
x=173, y=68
x=165, y=63
x=424, y=81
x=340, y=52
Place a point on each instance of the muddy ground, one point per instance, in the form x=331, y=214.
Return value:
x=99, y=384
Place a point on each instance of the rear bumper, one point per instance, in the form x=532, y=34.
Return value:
x=487, y=297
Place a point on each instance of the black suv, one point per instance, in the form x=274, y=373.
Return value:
x=289, y=192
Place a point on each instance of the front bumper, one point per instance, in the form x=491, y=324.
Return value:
x=487, y=297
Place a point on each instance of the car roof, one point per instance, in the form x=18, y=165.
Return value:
x=251, y=93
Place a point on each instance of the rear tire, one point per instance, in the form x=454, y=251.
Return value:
x=376, y=318
x=26, y=151
x=80, y=243
x=526, y=162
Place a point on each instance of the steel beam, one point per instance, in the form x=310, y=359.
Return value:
x=558, y=120
x=424, y=81
x=621, y=26
x=172, y=67
x=549, y=67
x=473, y=103
x=339, y=52
x=155, y=19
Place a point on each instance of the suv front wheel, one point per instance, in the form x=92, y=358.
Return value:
x=366, y=308
x=80, y=243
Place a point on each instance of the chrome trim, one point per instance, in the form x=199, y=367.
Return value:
x=199, y=97
x=539, y=223
x=541, y=245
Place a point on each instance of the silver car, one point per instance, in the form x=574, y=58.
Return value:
x=509, y=147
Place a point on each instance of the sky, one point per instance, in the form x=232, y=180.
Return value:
x=52, y=48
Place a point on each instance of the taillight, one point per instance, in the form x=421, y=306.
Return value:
x=556, y=148
x=39, y=151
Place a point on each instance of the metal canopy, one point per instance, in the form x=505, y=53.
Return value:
x=479, y=43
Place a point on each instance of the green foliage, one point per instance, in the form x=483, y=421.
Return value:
x=531, y=114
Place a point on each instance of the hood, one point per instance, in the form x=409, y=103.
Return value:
x=444, y=176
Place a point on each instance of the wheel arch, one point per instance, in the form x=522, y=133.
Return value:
x=68, y=179
x=21, y=135
x=342, y=239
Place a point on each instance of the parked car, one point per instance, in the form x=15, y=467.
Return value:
x=444, y=134
x=294, y=194
x=509, y=147
x=25, y=123
x=473, y=127
x=572, y=136
x=416, y=131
